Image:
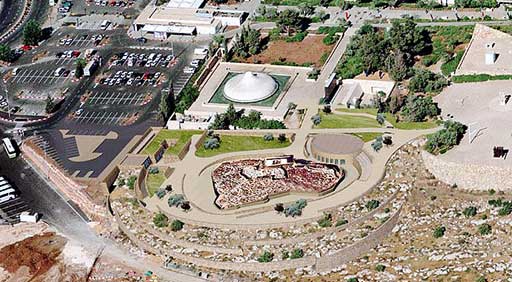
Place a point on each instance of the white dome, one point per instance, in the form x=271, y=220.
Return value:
x=250, y=87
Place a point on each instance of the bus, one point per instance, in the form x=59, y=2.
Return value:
x=9, y=148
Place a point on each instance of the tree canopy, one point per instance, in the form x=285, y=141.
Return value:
x=32, y=33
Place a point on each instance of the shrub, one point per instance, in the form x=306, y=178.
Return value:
x=266, y=257
x=185, y=206
x=353, y=279
x=316, y=119
x=297, y=253
x=427, y=82
x=377, y=144
x=326, y=221
x=160, y=220
x=439, y=231
x=469, y=211
x=484, y=229
x=175, y=200
x=121, y=182
x=296, y=208
x=380, y=268
x=153, y=170
x=211, y=143
x=418, y=108
x=285, y=255
x=279, y=207
x=481, y=279
x=161, y=193
x=372, y=204
x=380, y=118
x=268, y=137
x=131, y=182
x=341, y=221
x=177, y=225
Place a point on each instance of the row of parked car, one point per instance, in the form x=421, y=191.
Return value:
x=131, y=79
x=65, y=6
x=144, y=60
x=113, y=3
x=96, y=39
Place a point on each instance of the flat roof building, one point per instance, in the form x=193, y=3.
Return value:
x=183, y=17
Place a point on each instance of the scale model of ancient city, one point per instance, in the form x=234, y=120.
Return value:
x=255, y=140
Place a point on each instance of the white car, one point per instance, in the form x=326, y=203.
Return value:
x=195, y=63
x=189, y=70
x=79, y=112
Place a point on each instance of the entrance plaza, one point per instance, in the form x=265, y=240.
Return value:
x=481, y=106
x=291, y=83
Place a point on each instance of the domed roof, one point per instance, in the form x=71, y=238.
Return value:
x=250, y=87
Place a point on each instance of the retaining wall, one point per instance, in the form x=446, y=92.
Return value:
x=469, y=176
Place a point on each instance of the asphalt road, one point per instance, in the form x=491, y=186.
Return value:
x=9, y=13
x=42, y=198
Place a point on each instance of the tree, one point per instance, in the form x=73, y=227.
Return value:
x=247, y=43
x=397, y=65
x=50, y=105
x=79, y=70
x=427, y=82
x=166, y=106
x=444, y=139
x=395, y=103
x=231, y=114
x=380, y=267
x=418, y=108
x=297, y=253
x=289, y=21
x=407, y=38
x=372, y=204
x=31, y=33
x=6, y=53
x=281, y=138
x=160, y=220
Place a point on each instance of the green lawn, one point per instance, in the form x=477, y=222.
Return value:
x=182, y=137
x=370, y=111
x=346, y=121
x=154, y=181
x=367, y=136
x=233, y=143
x=409, y=125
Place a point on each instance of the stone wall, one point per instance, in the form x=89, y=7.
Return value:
x=468, y=176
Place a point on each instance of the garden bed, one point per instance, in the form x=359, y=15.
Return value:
x=238, y=143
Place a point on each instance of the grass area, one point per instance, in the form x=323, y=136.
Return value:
x=154, y=181
x=346, y=121
x=367, y=136
x=299, y=2
x=450, y=66
x=479, y=78
x=181, y=136
x=409, y=125
x=391, y=119
x=234, y=143
x=370, y=111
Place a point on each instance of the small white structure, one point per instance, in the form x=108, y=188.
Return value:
x=189, y=122
x=362, y=91
x=250, y=87
x=29, y=217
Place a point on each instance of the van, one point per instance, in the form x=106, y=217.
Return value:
x=7, y=198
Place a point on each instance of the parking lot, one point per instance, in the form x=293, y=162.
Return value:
x=82, y=40
x=10, y=211
x=39, y=76
x=102, y=118
x=116, y=98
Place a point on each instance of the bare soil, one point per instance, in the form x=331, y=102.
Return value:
x=38, y=253
x=309, y=50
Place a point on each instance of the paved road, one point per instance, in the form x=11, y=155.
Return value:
x=41, y=198
x=10, y=10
